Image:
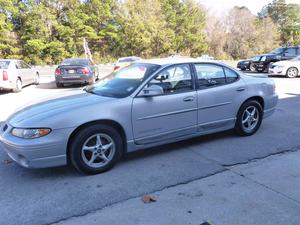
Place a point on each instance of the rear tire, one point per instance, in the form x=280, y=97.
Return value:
x=292, y=72
x=249, y=118
x=59, y=85
x=18, y=86
x=95, y=149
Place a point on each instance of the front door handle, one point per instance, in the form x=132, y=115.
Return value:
x=189, y=99
x=240, y=89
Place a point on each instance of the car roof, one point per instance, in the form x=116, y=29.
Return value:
x=179, y=60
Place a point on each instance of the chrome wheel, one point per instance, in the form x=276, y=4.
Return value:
x=292, y=72
x=98, y=150
x=250, y=118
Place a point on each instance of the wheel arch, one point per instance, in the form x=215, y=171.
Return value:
x=108, y=122
x=259, y=99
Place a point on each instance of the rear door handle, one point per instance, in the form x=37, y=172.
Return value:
x=240, y=89
x=189, y=99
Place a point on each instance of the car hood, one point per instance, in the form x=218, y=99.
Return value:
x=53, y=106
x=285, y=63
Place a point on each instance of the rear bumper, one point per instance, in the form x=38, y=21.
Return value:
x=270, y=105
x=48, y=151
x=6, y=85
x=74, y=79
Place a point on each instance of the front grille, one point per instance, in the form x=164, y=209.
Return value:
x=5, y=127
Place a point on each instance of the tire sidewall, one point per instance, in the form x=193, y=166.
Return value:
x=17, y=88
x=80, y=138
x=239, y=126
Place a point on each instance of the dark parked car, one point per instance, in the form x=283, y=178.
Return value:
x=261, y=63
x=244, y=64
x=76, y=71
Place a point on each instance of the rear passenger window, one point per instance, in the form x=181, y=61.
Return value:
x=209, y=75
x=231, y=76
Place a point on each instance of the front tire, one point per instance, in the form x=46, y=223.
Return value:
x=249, y=118
x=252, y=68
x=292, y=72
x=95, y=149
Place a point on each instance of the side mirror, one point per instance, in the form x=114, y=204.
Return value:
x=152, y=90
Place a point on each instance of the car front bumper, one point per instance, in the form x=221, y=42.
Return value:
x=48, y=151
x=277, y=71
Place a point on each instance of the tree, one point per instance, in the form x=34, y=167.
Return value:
x=143, y=28
x=8, y=37
x=287, y=17
x=241, y=41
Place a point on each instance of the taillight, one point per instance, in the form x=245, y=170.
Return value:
x=5, y=75
x=57, y=72
x=85, y=71
x=116, y=68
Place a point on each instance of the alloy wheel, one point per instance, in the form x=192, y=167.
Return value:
x=292, y=72
x=98, y=150
x=250, y=118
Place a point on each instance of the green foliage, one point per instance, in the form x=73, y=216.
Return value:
x=47, y=31
x=287, y=17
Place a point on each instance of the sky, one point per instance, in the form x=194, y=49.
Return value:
x=221, y=6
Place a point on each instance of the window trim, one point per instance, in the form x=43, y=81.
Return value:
x=142, y=86
x=198, y=87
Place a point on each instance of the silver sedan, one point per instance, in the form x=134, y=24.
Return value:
x=146, y=104
x=15, y=74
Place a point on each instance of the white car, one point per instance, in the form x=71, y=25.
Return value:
x=15, y=74
x=125, y=61
x=289, y=68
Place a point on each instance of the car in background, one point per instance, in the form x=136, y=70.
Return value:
x=245, y=64
x=289, y=68
x=206, y=57
x=261, y=63
x=125, y=61
x=146, y=104
x=15, y=74
x=76, y=71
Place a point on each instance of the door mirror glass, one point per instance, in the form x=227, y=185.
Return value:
x=152, y=90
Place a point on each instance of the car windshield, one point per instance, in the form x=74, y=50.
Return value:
x=256, y=58
x=75, y=62
x=277, y=51
x=124, y=82
x=4, y=64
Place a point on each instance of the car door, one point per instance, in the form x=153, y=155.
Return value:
x=220, y=92
x=170, y=115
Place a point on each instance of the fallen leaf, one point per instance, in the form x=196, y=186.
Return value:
x=148, y=199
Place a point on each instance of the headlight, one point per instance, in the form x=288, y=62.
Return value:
x=30, y=133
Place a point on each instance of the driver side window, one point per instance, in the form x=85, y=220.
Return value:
x=175, y=79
